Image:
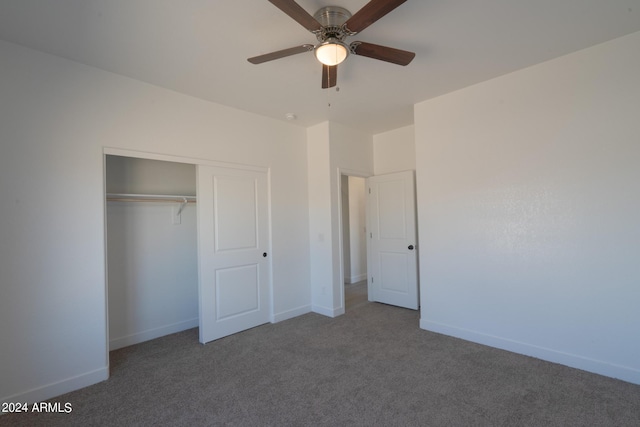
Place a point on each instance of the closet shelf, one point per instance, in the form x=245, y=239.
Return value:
x=125, y=197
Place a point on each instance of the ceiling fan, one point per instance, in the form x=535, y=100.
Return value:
x=331, y=26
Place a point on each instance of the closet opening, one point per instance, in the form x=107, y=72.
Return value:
x=151, y=246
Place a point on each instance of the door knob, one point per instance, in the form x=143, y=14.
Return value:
x=264, y=254
x=410, y=247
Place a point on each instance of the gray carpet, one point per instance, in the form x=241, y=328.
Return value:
x=371, y=367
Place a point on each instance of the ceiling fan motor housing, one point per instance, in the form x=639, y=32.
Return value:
x=332, y=19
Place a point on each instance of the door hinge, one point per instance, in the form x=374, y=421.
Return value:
x=371, y=235
x=369, y=190
x=371, y=279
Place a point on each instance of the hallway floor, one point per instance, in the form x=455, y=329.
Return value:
x=355, y=294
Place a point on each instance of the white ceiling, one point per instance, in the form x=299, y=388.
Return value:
x=200, y=47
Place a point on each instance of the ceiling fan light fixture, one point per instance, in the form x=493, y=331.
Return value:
x=331, y=52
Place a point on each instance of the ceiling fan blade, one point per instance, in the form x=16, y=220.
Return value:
x=296, y=12
x=383, y=53
x=329, y=76
x=370, y=13
x=280, y=54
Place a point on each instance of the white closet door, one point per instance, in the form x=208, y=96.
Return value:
x=233, y=241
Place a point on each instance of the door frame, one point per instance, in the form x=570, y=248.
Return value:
x=340, y=288
x=106, y=151
x=348, y=172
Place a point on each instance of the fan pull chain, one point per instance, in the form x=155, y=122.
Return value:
x=328, y=89
x=329, y=96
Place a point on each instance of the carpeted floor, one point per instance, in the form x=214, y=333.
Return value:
x=372, y=366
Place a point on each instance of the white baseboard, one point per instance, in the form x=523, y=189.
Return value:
x=61, y=387
x=355, y=279
x=150, y=334
x=329, y=312
x=290, y=314
x=572, y=360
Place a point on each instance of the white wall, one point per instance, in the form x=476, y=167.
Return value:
x=152, y=271
x=346, y=228
x=152, y=257
x=528, y=206
x=334, y=149
x=351, y=154
x=394, y=151
x=357, y=230
x=320, y=237
x=55, y=118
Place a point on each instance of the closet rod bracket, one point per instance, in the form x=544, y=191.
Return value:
x=182, y=205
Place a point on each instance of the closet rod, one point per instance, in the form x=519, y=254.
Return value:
x=124, y=197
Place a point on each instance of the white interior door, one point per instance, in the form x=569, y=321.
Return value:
x=233, y=259
x=393, y=272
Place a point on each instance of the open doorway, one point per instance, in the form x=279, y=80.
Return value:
x=354, y=244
